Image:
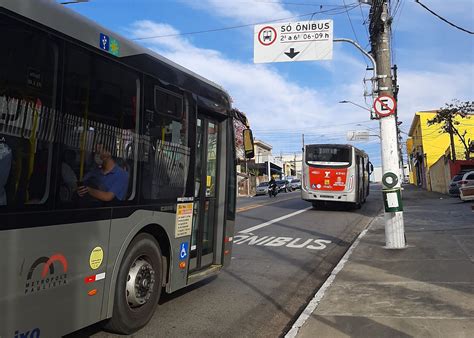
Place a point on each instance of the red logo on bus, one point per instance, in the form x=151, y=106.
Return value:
x=46, y=281
x=327, y=179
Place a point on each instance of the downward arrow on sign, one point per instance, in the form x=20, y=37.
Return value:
x=292, y=53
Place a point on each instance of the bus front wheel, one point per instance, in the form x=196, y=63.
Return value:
x=138, y=286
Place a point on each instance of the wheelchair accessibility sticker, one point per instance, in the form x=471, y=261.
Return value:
x=183, y=250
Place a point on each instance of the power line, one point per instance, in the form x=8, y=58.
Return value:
x=291, y=3
x=350, y=21
x=364, y=23
x=334, y=11
x=443, y=19
x=320, y=126
x=398, y=10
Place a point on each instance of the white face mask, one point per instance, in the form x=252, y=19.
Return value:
x=98, y=160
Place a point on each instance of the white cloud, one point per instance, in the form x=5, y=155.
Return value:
x=428, y=90
x=242, y=11
x=167, y=39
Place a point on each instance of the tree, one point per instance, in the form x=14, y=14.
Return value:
x=447, y=116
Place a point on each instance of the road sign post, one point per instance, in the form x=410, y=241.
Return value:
x=293, y=41
x=384, y=106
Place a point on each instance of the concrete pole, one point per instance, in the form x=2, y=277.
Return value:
x=394, y=225
x=268, y=168
x=294, y=165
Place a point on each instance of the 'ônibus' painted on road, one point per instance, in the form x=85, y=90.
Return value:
x=289, y=242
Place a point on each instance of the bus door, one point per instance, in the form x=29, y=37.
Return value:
x=204, y=224
x=358, y=178
x=359, y=171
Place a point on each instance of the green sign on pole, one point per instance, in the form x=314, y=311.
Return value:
x=392, y=200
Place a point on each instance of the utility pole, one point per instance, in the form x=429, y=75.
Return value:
x=294, y=164
x=451, y=138
x=269, y=167
x=380, y=22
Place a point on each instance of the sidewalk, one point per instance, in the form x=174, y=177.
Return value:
x=425, y=290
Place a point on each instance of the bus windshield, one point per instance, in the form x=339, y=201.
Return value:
x=328, y=155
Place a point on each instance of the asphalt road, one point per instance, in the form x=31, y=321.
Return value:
x=276, y=269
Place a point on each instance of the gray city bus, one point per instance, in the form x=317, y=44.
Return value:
x=83, y=109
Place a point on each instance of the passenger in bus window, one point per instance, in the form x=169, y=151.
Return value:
x=68, y=176
x=5, y=165
x=36, y=182
x=107, y=181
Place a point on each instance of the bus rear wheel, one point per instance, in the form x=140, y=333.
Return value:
x=138, y=286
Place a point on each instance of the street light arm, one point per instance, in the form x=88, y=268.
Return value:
x=355, y=104
x=370, y=57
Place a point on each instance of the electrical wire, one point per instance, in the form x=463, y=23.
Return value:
x=398, y=11
x=334, y=11
x=290, y=3
x=443, y=19
x=353, y=30
x=318, y=127
x=350, y=21
x=364, y=23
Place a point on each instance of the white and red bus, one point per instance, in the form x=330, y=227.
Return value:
x=335, y=172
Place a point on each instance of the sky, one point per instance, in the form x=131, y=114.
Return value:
x=285, y=100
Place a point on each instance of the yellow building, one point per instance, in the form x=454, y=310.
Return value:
x=426, y=145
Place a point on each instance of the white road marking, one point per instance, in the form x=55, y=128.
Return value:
x=259, y=226
x=320, y=294
x=289, y=242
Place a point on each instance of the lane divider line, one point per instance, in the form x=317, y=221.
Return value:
x=313, y=304
x=262, y=225
x=253, y=206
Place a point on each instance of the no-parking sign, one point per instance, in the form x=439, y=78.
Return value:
x=385, y=105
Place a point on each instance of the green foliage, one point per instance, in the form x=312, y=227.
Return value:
x=447, y=117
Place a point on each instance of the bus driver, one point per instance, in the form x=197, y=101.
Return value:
x=107, y=180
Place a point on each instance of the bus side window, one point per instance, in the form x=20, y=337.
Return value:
x=28, y=119
x=166, y=154
x=100, y=116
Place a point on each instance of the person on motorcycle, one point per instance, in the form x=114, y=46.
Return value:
x=272, y=187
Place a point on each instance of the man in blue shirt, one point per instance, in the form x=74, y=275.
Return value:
x=107, y=181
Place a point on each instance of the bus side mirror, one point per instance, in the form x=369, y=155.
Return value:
x=248, y=143
x=370, y=168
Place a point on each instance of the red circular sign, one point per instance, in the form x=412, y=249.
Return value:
x=385, y=105
x=267, y=35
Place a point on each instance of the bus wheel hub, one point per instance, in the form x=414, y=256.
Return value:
x=140, y=282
